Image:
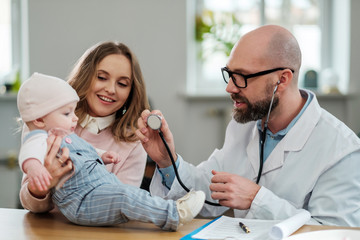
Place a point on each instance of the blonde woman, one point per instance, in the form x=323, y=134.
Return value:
x=112, y=94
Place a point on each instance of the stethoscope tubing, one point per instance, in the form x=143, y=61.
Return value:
x=263, y=137
x=176, y=171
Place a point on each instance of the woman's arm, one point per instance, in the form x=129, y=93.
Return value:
x=33, y=202
x=40, y=201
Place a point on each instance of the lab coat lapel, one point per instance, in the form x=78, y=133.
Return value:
x=299, y=134
x=296, y=138
x=275, y=159
x=252, y=151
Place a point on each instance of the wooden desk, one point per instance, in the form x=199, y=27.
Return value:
x=310, y=228
x=16, y=224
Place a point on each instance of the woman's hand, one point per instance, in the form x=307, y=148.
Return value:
x=57, y=165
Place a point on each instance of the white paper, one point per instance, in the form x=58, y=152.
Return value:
x=290, y=225
x=229, y=228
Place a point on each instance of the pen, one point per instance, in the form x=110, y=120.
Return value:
x=244, y=227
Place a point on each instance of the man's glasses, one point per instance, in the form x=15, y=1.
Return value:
x=240, y=80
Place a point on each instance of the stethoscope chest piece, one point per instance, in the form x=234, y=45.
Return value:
x=154, y=121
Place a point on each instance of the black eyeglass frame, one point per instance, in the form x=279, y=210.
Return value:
x=246, y=77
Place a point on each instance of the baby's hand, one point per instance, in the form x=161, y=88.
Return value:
x=110, y=157
x=38, y=175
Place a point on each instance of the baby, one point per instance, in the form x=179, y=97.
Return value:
x=91, y=195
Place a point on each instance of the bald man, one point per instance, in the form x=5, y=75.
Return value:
x=282, y=152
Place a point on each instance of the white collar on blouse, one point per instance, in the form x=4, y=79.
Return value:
x=96, y=124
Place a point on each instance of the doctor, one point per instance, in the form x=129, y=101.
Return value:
x=311, y=160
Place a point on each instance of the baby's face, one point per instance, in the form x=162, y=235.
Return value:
x=63, y=118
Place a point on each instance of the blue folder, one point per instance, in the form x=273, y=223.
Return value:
x=189, y=236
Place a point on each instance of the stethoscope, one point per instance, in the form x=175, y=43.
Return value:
x=154, y=122
x=263, y=135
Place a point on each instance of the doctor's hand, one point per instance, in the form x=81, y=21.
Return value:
x=152, y=142
x=233, y=190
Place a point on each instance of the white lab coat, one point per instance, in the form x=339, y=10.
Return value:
x=316, y=166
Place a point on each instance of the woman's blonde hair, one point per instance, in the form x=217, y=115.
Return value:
x=81, y=79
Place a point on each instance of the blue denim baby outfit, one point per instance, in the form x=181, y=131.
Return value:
x=95, y=197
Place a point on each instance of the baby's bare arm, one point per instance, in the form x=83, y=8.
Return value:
x=39, y=177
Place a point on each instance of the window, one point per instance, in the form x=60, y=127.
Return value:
x=5, y=37
x=219, y=24
x=9, y=41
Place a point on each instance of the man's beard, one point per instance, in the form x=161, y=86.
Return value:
x=254, y=111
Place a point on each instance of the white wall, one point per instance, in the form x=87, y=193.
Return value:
x=10, y=175
x=60, y=31
x=9, y=128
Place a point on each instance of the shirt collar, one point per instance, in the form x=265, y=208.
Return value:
x=96, y=124
x=284, y=131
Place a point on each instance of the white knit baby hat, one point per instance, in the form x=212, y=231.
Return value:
x=41, y=94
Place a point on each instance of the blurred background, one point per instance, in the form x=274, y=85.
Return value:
x=181, y=46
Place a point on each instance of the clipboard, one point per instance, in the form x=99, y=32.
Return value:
x=223, y=227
